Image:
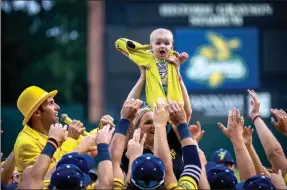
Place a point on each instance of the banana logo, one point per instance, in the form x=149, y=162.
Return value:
x=214, y=62
x=222, y=155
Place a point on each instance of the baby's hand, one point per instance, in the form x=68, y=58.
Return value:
x=183, y=57
x=177, y=59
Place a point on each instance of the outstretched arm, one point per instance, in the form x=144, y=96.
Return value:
x=271, y=146
x=137, y=89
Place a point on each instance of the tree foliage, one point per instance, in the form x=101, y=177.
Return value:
x=47, y=49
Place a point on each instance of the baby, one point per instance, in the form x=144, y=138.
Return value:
x=162, y=79
x=161, y=45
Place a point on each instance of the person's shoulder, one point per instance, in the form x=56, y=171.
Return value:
x=24, y=141
x=23, y=138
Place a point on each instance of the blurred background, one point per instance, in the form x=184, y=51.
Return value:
x=69, y=45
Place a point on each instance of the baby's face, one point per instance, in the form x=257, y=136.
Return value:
x=161, y=45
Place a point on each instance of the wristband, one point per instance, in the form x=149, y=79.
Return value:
x=49, y=149
x=54, y=141
x=123, y=127
x=183, y=131
x=103, y=152
x=253, y=120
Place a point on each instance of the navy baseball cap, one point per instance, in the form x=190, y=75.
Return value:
x=72, y=171
x=69, y=176
x=256, y=182
x=222, y=155
x=220, y=177
x=147, y=172
x=83, y=161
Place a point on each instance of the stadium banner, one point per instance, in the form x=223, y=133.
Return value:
x=219, y=58
x=218, y=105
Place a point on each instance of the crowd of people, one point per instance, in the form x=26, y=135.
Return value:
x=151, y=147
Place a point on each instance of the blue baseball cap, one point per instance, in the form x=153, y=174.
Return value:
x=222, y=155
x=220, y=177
x=72, y=171
x=83, y=161
x=256, y=182
x=147, y=172
x=69, y=176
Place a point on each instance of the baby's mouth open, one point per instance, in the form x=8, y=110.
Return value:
x=162, y=52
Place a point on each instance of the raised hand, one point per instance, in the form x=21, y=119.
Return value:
x=160, y=114
x=106, y=119
x=255, y=104
x=276, y=179
x=234, y=127
x=196, y=131
x=130, y=108
x=135, y=146
x=281, y=124
x=76, y=128
x=58, y=132
x=176, y=113
x=177, y=59
x=247, y=135
x=88, y=144
x=104, y=135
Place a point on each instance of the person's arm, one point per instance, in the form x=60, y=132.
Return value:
x=161, y=148
x=105, y=167
x=117, y=145
x=137, y=89
x=203, y=182
x=86, y=146
x=33, y=177
x=272, y=147
x=192, y=167
x=186, y=99
x=234, y=132
x=247, y=138
x=8, y=168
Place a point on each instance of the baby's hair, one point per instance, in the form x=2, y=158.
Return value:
x=159, y=30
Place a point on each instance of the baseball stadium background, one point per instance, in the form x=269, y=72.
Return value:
x=68, y=45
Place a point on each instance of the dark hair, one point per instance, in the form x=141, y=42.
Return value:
x=29, y=123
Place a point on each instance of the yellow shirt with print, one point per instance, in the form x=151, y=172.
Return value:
x=185, y=182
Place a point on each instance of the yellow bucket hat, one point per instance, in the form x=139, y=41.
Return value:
x=31, y=99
